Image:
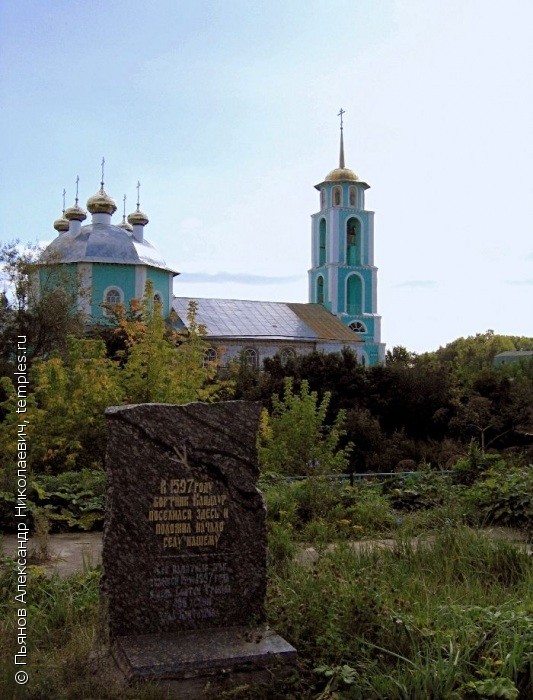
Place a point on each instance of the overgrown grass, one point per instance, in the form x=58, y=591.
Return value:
x=449, y=619
x=446, y=618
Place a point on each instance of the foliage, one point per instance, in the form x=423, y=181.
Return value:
x=46, y=314
x=295, y=440
x=162, y=366
x=65, y=411
x=374, y=624
x=505, y=496
x=419, y=491
x=72, y=500
x=469, y=356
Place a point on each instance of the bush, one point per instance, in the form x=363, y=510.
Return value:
x=72, y=500
x=505, y=496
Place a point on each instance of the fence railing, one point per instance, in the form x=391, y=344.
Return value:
x=352, y=478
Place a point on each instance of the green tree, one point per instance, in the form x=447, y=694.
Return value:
x=162, y=365
x=41, y=304
x=65, y=410
x=294, y=438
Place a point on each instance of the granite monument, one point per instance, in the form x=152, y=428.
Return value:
x=184, y=553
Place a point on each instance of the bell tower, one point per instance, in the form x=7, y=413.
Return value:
x=343, y=277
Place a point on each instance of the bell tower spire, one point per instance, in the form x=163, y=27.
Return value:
x=341, y=153
x=343, y=277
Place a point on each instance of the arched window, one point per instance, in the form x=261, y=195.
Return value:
x=113, y=296
x=250, y=357
x=322, y=199
x=337, y=196
x=320, y=290
x=157, y=298
x=354, y=295
x=322, y=242
x=210, y=356
x=358, y=327
x=353, y=242
x=353, y=197
x=287, y=354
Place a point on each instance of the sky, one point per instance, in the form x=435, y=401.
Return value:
x=226, y=111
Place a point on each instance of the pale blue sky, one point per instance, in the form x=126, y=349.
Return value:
x=226, y=112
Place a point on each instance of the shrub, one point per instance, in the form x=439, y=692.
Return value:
x=505, y=496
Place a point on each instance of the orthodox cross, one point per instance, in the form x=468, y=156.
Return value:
x=64, y=193
x=124, y=211
x=138, y=200
x=343, y=111
x=103, y=163
x=77, y=185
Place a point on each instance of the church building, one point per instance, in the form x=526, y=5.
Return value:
x=113, y=262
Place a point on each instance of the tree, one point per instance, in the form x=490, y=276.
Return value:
x=65, y=410
x=294, y=438
x=162, y=365
x=42, y=303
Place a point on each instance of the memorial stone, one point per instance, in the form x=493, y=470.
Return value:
x=184, y=553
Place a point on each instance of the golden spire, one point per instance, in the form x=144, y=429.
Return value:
x=124, y=224
x=138, y=217
x=341, y=154
x=342, y=173
x=61, y=224
x=101, y=202
x=76, y=213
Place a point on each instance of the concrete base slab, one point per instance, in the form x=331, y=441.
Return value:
x=201, y=663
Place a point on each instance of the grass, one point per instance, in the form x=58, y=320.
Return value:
x=410, y=622
x=449, y=619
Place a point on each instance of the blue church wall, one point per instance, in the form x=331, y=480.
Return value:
x=160, y=280
x=62, y=275
x=104, y=276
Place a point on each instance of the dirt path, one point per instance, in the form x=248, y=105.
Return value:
x=80, y=551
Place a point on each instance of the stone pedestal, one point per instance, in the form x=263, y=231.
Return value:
x=190, y=665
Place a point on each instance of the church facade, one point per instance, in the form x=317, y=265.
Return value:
x=113, y=262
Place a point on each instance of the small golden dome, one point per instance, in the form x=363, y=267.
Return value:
x=101, y=203
x=126, y=226
x=61, y=224
x=138, y=217
x=75, y=213
x=340, y=174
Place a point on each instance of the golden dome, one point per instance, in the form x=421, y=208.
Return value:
x=75, y=213
x=61, y=224
x=101, y=203
x=125, y=225
x=340, y=174
x=138, y=217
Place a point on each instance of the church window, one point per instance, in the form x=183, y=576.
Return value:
x=210, y=356
x=286, y=355
x=322, y=199
x=250, y=357
x=112, y=296
x=322, y=242
x=337, y=196
x=354, y=295
x=157, y=299
x=320, y=290
x=353, y=196
x=358, y=327
x=353, y=242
